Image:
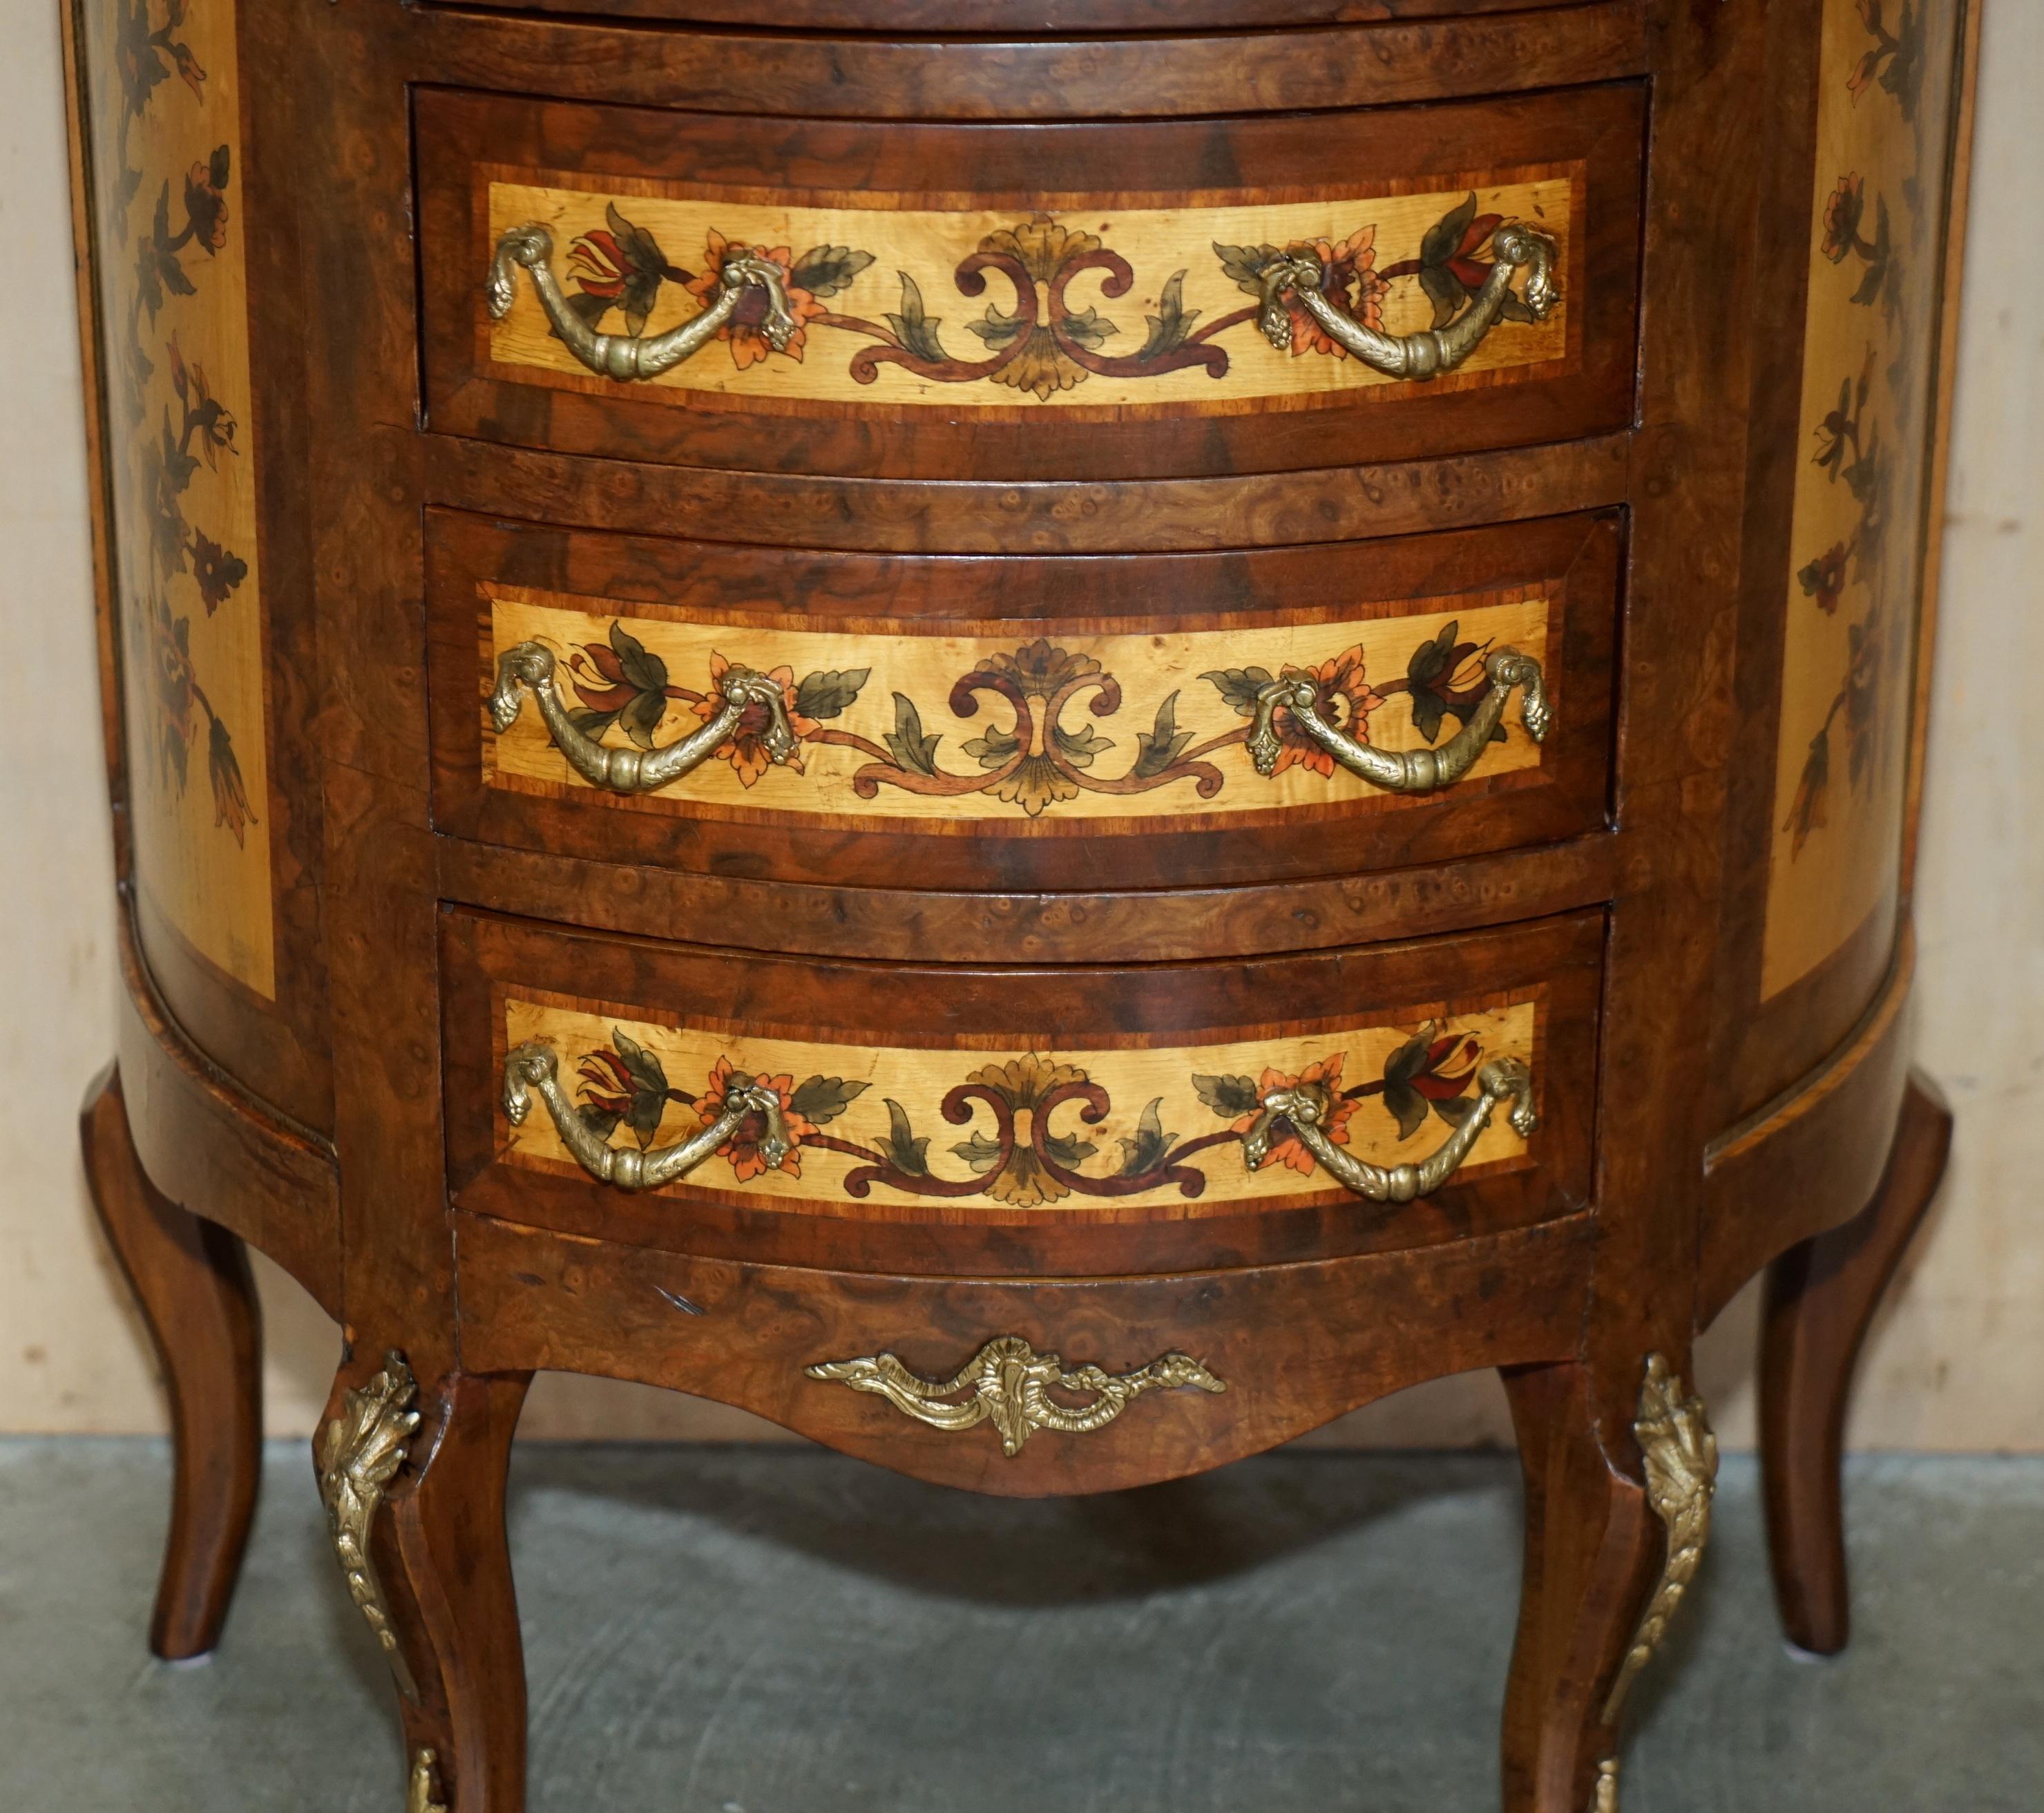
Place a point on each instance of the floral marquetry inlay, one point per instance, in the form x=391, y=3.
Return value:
x=1079, y=302
x=1008, y=723
x=1876, y=270
x=171, y=225
x=1023, y=1129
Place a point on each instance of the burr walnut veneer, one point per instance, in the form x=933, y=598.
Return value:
x=1050, y=736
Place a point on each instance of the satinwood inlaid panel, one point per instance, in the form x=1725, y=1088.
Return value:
x=171, y=220
x=1004, y=1105
x=971, y=723
x=1102, y=277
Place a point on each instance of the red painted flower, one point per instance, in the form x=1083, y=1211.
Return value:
x=1287, y=1150
x=1344, y=699
x=1842, y=209
x=1449, y=1066
x=606, y=1085
x=745, y=749
x=742, y=1147
x=598, y=678
x=745, y=330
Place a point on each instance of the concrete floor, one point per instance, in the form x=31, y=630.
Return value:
x=743, y=1630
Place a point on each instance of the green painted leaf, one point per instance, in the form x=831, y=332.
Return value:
x=996, y=328
x=829, y=692
x=1172, y=321
x=899, y=1146
x=911, y=749
x=1068, y=1149
x=980, y=1153
x=1446, y=233
x=1230, y=1097
x=1237, y=686
x=1149, y=1145
x=1245, y=263
x=825, y=270
x=1407, y=1107
x=640, y=718
x=820, y=1099
x=1158, y=748
x=645, y=671
x=914, y=327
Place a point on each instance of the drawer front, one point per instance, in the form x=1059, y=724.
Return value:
x=1066, y=301
x=913, y=1118
x=1007, y=722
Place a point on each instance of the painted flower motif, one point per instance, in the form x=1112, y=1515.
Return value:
x=230, y=796
x=623, y=266
x=1285, y=1149
x=206, y=200
x=606, y=1084
x=166, y=469
x=1025, y=1085
x=1449, y=268
x=1349, y=279
x=1344, y=699
x=1823, y=580
x=1434, y=1071
x=745, y=330
x=1842, y=210
x=746, y=748
x=742, y=1147
x=206, y=416
x=217, y=571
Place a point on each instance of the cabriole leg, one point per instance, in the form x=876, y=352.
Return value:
x=413, y=1482
x=1607, y=1562
x=192, y=1281
x=1821, y=1298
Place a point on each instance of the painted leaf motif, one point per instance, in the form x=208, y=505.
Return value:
x=644, y=670
x=1159, y=747
x=1237, y=686
x=1407, y=1106
x=901, y=1147
x=1081, y=745
x=992, y=747
x=1444, y=290
x=911, y=749
x=591, y=722
x=995, y=328
x=820, y=1098
x=1172, y=322
x=980, y=1153
x=640, y=718
x=1444, y=237
x=1090, y=330
x=825, y=270
x=1245, y=263
x=829, y=692
x=1068, y=1149
x=914, y=327
x=1148, y=1146
x=1230, y=1097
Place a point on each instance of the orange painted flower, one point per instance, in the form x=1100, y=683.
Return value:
x=1349, y=279
x=1344, y=699
x=742, y=1147
x=745, y=330
x=746, y=749
x=1285, y=1149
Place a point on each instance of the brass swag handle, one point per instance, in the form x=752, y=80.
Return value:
x=530, y=667
x=624, y=355
x=1405, y=770
x=1305, y=1106
x=533, y=1070
x=1434, y=350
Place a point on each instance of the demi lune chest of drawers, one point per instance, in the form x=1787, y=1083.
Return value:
x=1050, y=737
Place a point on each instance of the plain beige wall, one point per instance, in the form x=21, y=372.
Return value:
x=1957, y=1361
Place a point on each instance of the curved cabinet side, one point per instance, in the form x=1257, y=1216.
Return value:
x=178, y=237
x=1842, y=506
x=216, y=1154
x=1810, y=1160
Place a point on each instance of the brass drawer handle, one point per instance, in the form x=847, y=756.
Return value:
x=1433, y=350
x=1405, y=770
x=1304, y=1106
x=1005, y=1383
x=534, y=1070
x=628, y=357
x=530, y=667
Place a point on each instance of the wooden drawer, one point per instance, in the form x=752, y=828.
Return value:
x=1067, y=302
x=1003, y=1121
x=1019, y=722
